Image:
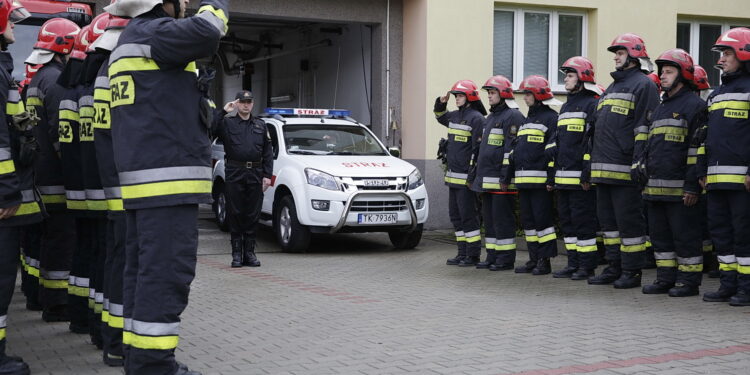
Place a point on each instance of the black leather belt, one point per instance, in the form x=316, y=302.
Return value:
x=244, y=164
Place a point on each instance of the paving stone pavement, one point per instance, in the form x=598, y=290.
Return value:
x=353, y=305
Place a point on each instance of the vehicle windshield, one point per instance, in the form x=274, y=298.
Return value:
x=322, y=139
x=25, y=38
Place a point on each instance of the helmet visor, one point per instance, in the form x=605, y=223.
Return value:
x=18, y=14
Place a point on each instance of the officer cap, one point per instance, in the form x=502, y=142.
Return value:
x=244, y=95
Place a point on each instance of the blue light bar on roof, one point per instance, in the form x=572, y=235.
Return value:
x=308, y=112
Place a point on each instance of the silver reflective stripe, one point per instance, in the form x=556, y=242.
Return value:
x=506, y=155
x=533, y=126
x=525, y=173
x=3, y=321
x=14, y=96
x=640, y=129
x=78, y=281
x=95, y=194
x=55, y=275
x=506, y=241
x=453, y=125
x=473, y=233
x=634, y=241
x=664, y=256
x=102, y=83
x=99, y=297
x=610, y=167
x=115, y=309
x=489, y=240
x=719, y=169
x=590, y=242
x=611, y=234
x=743, y=261
x=653, y=182
x=69, y=105
x=545, y=232
x=127, y=324
x=529, y=232
x=496, y=131
x=155, y=329
x=130, y=50
x=5, y=153
x=669, y=122
x=105, y=305
x=731, y=96
x=32, y=262
x=34, y=92
x=491, y=180
x=692, y=260
x=86, y=101
x=459, y=234
x=165, y=174
x=457, y=175
x=113, y=192
x=75, y=195
x=92, y=293
x=568, y=115
x=51, y=190
x=217, y=22
x=622, y=96
x=570, y=240
x=693, y=151
x=568, y=174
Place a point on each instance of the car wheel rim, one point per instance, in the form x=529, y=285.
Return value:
x=221, y=208
x=285, y=224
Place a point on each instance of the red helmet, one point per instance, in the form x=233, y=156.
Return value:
x=632, y=43
x=501, y=84
x=679, y=58
x=57, y=35
x=700, y=77
x=581, y=66
x=738, y=39
x=538, y=86
x=98, y=26
x=81, y=44
x=466, y=87
x=655, y=77
x=11, y=11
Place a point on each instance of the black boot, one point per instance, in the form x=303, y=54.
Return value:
x=248, y=253
x=112, y=360
x=468, y=261
x=455, y=260
x=721, y=295
x=683, y=290
x=501, y=266
x=629, y=279
x=608, y=276
x=527, y=267
x=236, y=252
x=658, y=287
x=582, y=274
x=740, y=299
x=543, y=267
x=564, y=273
x=488, y=261
x=13, y=366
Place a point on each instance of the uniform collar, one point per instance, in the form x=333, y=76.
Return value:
x=619, y=75
x=683, y=91
x=729, y=77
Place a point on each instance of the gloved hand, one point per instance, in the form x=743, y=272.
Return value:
x=639, y=174
x=25, y=121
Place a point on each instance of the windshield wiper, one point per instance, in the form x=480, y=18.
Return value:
x=301, y=152
x=340, y=153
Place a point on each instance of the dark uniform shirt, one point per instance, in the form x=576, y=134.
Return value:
x=500, y=127
x=245, y=140
x=529, y=164
x=567, y=147
x=465, y=127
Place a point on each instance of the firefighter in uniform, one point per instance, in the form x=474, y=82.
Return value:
x=114, y=266
x=576, y=202
x=672, y=188
x=19, y=205
x=465, y=127
x=620, y=132
x=725, y=171
x=249, y=167
x=497, y=205
x=162, y=153
x=532, y=171
x=58, y=237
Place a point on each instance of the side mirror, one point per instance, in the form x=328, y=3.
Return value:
x=394, y=151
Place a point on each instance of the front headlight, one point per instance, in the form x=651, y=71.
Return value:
x=414, y=180
x=321, y=179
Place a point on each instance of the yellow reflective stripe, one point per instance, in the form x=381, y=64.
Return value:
x=459, y=132
x=150, y=342
x=617, y=102
x=116, y=321
x=691, y=267
x=132, y=64
x=450, y=180
x=610, y=174
x=641, y=137
x=474, y=238
x=611, y=241
x=7, y=166
x=531, y=180
x=745, y=270
x=586, y=249
x=14, y=108
x=674, y=130
x=66, y=114
x=33, y=271
x=488, y=185
x=78, y=291
x=115, y=205
x=53, y=284
x=708, y=247
x=671, y=263
x=34, y=101
x=570, y=246
x=2, y=333
x=219, y=13
x=725, y=178
x=156, y=189
x=632, y=248
x=586, y=156
x=567, y=180
x=532, y=239
x=505, y=247
x=728, y=267
x=571, y=121
x=663, y=191
x=91, y=303
x=438, y=114
x=98, y=307
x=547, y=238
x=53, y=198
x=730, y=104
x=105, y=316
x=691, y=160
x=460, y=239
x=97, y=205
x=551, y=164
x=76, y=205
x=702, y=150
x=489, y=246
x=193, y=68
x=531, y=132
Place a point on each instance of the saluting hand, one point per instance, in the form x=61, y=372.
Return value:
x=229, y=107
x=444, y=99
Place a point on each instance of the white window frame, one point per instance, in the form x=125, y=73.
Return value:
x=695, y=29
x=552, y=65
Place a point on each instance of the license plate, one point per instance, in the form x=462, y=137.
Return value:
x=377, y=218
x=377, y=183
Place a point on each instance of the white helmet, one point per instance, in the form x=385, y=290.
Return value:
x=131, y=8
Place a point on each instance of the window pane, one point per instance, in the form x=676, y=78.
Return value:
x=536, y=44
x=707, y=58
x=569, y=40
x=683, y=36
x=502, y=53
x=731, y=27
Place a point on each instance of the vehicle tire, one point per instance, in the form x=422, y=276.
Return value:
x=220, y=206
x=292, y=236
x=406, y=240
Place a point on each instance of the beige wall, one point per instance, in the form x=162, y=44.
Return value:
x=448, y=40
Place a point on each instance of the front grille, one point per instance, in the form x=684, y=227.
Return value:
x=358, y=183
x=378, y=206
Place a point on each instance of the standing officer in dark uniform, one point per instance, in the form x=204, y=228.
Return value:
x=248, y=167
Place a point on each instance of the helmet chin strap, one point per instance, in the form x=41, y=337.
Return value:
x=177, y=8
